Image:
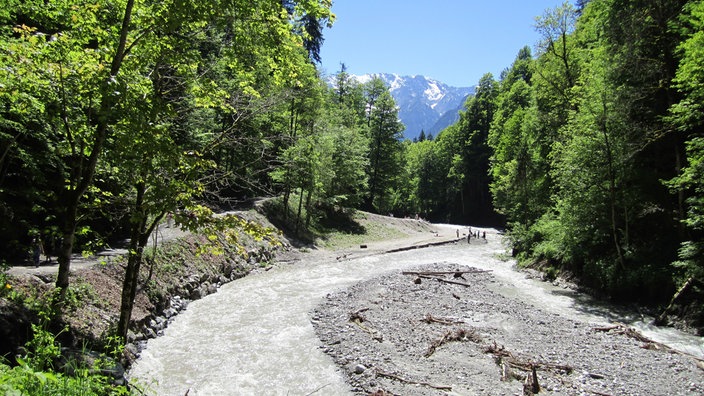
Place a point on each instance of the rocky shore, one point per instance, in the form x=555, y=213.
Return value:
x=177, y=274
x=444, y=329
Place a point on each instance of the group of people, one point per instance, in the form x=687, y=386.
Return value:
x=48, y=247
x=473, y=234
x=37, y=251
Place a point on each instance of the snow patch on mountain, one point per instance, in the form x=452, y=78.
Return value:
x=433, y=93
x=424, y=104
x=397, y=82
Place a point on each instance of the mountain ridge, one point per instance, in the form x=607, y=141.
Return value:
x=425, y=104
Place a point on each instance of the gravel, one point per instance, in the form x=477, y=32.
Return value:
x=405, y=334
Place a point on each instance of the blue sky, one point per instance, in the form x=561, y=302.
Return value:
x=453, y=41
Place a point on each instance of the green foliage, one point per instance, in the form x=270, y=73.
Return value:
x=584, y=135
x=385, y=148
x=128, y=105
x=549, y=240
x=688, y=112
x=5, y=286
x=520, y=183
x=686, y=115
x=43, y=349
x=36, y=373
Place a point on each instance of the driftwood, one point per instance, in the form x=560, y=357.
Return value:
x=316, y=391
x=357, y=315
x=439, y=275
x=627, y=331
x=434, y=273
x=530, y=383
x=621, y=328
x=504, y=357
x=443, y=280
x=432, y=319
x=450, y=336
x=506, y=372
x=662, y=318
x=357, y=318
x=382, y=373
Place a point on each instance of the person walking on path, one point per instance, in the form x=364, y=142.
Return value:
x=37, y=250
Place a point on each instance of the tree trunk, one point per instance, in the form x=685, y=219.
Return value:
x=681, y=211
x=139, y=237
x=66, y=248
x=374, y=182
x=83, y=177
x=612, y=192
x=662, y=318
x=129, y=288
x=308, y=208
x=287, y=194
x=300, y=209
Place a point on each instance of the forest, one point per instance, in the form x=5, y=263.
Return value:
x=588, y=149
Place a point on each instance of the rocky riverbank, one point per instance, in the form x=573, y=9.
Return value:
x=445, y=329
x=180, y=271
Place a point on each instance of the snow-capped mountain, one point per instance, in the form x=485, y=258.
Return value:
x=424, y=104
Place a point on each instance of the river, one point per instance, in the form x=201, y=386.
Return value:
x=254, y=336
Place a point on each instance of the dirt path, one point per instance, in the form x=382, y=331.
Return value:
x=81, y=263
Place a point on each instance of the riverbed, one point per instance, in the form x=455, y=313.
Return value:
x=255, y=336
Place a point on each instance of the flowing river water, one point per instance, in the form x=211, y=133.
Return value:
x=254, y=336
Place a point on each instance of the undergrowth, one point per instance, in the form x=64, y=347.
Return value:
x=41, y=368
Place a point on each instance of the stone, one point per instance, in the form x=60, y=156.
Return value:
x=169, y=312
x=149, y=333
x=160, y=323
x=359, y=369
x=132, y=351
x=196, y=294
x=132, y=337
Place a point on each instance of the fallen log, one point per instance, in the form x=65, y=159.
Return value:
x=648, y=343
x=445, y=280
x=382, y=373
x=431, y=273
x=506, y=358
x=625, y=330
x=662, y=318
x=605, y=328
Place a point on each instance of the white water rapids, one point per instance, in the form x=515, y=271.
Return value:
x=254, y=336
